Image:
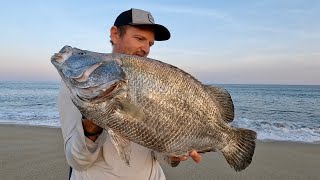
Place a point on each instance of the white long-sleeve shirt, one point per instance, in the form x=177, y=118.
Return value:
x=100, y=160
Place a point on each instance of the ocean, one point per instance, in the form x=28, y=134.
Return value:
x=275, y=112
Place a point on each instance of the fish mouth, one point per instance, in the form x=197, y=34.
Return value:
x=62, y=55
x=107, y=92
x=99, y=93
x=83, y=75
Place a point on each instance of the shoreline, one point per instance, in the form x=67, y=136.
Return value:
x=27, y=125
x=33, y=152
x=258, y=140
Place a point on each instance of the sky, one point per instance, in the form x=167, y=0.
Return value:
x=218, y=42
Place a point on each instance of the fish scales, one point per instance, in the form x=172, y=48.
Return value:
x=189, y=100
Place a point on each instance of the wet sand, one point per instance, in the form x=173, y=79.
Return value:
x=29, y=152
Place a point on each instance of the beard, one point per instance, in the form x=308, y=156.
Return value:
x=140, y=53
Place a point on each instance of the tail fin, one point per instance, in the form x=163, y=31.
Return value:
x=240, y=149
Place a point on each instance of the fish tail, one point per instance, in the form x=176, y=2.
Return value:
x=240, y=149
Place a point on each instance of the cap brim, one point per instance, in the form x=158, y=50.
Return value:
x=161, y=33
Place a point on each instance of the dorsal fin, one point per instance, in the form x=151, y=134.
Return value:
x=223, y=97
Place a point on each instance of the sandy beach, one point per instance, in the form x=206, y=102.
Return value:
x=33, y=153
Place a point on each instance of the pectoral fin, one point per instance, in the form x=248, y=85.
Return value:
x=129, y=110
x=223, y=97
x=122, y=145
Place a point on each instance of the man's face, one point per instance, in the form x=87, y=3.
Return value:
x=135, y=41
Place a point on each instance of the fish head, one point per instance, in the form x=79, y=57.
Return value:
x=88, y=75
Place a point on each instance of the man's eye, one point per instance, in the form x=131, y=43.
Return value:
x=139, y=38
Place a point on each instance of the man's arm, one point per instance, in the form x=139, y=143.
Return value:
x=81, y=151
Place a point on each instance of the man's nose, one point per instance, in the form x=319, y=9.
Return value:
x=146, y=48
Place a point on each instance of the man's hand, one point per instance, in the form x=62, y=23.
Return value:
x=193, y=154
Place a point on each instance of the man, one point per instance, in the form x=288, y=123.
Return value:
x=88, y=148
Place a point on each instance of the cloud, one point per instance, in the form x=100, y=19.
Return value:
x=194, y=11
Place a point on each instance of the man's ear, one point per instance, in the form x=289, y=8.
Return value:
x=114, y=35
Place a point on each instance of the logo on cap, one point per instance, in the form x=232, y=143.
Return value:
x=150, y=18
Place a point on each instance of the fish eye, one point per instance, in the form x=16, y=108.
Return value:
x=81, y=53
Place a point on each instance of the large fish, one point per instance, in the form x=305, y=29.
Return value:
x=153, y=104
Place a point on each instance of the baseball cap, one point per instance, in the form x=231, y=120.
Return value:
x=136, y=17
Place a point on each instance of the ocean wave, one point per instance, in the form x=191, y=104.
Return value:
x=281, y=131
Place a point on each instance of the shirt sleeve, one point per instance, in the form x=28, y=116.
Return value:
x=80, y=151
